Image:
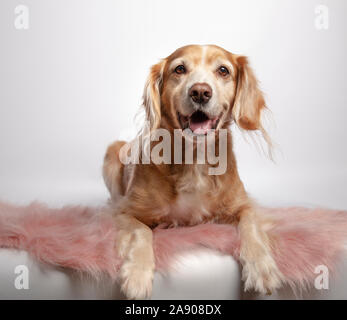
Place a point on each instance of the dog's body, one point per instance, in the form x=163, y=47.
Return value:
x=203, y=88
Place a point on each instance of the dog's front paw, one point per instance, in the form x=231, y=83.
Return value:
x=262, y=275
x=136, y=280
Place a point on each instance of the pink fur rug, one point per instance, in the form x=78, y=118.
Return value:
x=83, y=238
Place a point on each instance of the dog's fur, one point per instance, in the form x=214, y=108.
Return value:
x=146, y=195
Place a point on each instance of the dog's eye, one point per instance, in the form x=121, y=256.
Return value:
x=223, y=71
x=180, y=69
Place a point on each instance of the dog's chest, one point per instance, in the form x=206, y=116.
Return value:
x=191, y=205
x=189, y=209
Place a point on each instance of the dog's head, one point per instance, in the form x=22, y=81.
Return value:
x=202, y=88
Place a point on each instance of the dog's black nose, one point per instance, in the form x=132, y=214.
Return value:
x=200, y=93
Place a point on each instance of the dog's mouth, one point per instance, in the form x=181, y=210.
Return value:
x=198, y=122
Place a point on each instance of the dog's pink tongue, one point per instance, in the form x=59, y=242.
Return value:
x=201, y=127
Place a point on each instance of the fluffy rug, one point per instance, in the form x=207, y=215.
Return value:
x=83, y=238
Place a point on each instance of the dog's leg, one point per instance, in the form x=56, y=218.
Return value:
x=134, y=239
x=113, y=170
x=135, y=247
x=260, y=271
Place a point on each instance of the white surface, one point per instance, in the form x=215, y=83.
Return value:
x=204, y=275
x=73, y=81
x=200, y=275
x=47, y=282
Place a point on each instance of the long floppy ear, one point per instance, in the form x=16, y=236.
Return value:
x=151, y=95
x=249, y=103
x=249, y=100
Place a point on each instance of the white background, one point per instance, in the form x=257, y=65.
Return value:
x=72, y=83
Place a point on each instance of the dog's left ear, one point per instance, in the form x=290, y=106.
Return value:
x=249, y=101
x=152, y=93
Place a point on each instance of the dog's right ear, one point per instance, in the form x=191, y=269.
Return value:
x=151, y=95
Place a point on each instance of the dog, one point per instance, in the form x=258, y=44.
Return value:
x=202, y=89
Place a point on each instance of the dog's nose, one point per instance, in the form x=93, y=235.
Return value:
x=200, y=93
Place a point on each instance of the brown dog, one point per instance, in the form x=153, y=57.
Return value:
x=204, y=89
